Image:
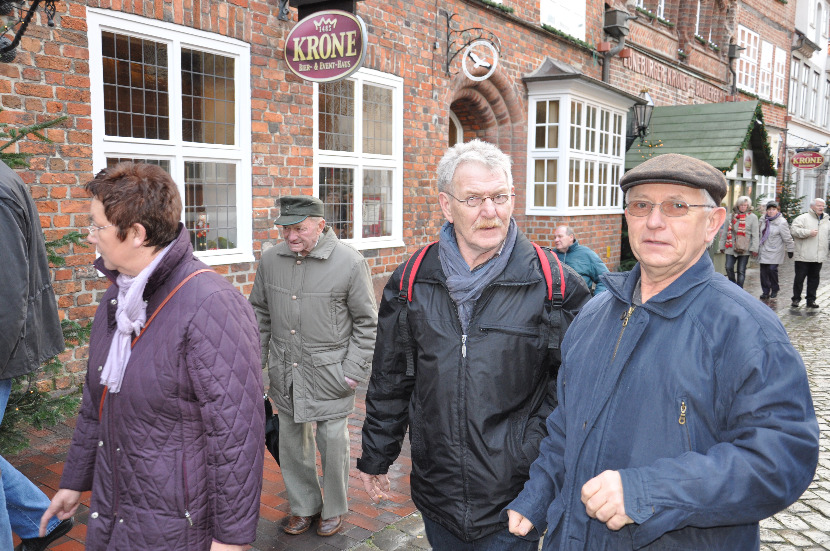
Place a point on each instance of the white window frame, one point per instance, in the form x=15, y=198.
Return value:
x=358, y=161
x=793, y=100
x=765, y=71
x=805, y=90
x=568, y=92
x=814, y=85
x=567, y=16
x=661, y=8
x=748, y=62
x=779, y=75
x=825, y=115
x=697, y=19
x=175, y=149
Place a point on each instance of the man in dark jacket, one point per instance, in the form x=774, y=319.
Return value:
x=30, y=333
x=484, y=357
x=582, y=259
x=684, y=412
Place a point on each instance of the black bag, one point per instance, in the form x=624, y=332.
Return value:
x=272, y=430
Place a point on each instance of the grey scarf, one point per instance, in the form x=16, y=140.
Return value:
x=465, y=286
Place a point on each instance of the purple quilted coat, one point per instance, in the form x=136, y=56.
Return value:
x=175, y=460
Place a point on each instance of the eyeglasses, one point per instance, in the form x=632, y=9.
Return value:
x=669, y=208
x=474, y=201
x=92, y=229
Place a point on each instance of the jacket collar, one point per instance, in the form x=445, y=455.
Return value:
x=521, y=269
x=674, y=299
x=322, y=250
x=180, y=250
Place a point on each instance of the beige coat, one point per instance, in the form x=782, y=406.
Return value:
x=317, y=320
x=807, y=248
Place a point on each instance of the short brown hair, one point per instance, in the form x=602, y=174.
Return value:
x=139, y=193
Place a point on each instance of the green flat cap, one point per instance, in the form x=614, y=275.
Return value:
x=296, y=208
x=673, y=168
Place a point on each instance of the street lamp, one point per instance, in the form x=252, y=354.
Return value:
x=642, y=120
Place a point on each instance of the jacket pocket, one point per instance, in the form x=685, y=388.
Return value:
x=279, y=374
x=329, y=377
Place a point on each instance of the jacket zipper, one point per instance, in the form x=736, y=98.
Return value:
x=682, y=421
x=113, y=459
x=625, y=317
x=186, y=500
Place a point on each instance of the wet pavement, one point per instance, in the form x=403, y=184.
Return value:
x=395, y=525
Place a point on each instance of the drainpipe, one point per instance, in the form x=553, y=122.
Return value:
x=606, y=62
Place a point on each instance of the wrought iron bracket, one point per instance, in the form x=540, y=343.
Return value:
x=7, y=47
x=458, y=39
x=283, y=12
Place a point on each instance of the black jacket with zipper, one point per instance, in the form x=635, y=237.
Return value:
x=477, y=404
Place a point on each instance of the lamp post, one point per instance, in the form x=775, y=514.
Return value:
x=642, y=120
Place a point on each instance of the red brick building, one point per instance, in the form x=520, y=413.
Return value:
x=202, y=89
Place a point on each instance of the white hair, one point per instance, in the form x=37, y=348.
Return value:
x=474, y=151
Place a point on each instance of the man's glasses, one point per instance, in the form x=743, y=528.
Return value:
x=669, y=208
x=92, y=229
x=474, y=201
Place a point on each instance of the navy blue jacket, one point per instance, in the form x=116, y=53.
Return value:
x=699, y=401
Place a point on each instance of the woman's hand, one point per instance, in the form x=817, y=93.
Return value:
x=63, y=506
x=216, y=546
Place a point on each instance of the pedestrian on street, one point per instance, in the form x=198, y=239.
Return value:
x=739, y=239
x=579, y=257
x=811, y=232
x=171, y=433
x=315, y=303
x=469, y=364
x=684, y=413
x=30, y=333
x=775, y=242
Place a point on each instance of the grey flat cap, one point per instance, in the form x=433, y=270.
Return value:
x=296, y=208
x=673, y=168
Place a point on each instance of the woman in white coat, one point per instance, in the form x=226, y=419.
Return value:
x=775, y=241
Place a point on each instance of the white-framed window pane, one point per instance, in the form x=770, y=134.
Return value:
x=805, y=90
x=779, y=77
x=661, y=8
x=208, y=98
x=545, y=178
x=825, y=117
x=135, y=76
x=814, y=96
x=336, y=117
x=748, y=62
x=765, y=70
x=377, y=203
x=377, y=120
x=164, y=164
x=794, y=103
x=210, y=205
x=547, y=124
x=337, y=194
x=574, y=182
x=567, y=16
x=576, y=125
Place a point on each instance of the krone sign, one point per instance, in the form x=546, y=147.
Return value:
x=327, y=45
x=807, y=159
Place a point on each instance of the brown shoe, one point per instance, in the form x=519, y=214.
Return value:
x=297, y=525
x=330, y=526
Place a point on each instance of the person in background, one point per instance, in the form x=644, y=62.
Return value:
x=775, y=242
x=579, y=257
x=30, y=333
x=315, y=303
x=685, y=414
x=171, y=433
x=477, y=377
x=739, y=239
x=811, y=233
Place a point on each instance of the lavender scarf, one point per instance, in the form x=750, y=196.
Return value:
x=765, y=233
x=465, y=286
x=130, y=316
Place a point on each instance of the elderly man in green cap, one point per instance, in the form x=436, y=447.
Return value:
x=317, y=315
x=684, y=412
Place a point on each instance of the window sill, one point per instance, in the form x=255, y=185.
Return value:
x=573, y=211
x=366, y=244
x=213, y=258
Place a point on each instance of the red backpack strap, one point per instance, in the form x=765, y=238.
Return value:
x=553, y=299
x=544, y=260
x=410, y=270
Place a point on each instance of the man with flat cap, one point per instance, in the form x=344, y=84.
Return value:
x=317, y=315
x=684, y=412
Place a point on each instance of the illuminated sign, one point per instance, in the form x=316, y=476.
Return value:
x=807, y=159
x=327, y=45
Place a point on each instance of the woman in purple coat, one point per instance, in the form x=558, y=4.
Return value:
x=170, y=437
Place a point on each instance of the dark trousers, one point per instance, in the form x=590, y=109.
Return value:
x=810, y=270
x=442, y=539
x=769, y=278
x=741, y=261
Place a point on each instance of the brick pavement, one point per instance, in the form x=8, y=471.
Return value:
x=396, y=526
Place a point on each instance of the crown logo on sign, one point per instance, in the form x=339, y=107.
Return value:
x=325, y=21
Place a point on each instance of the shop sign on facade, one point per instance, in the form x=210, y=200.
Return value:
x=326, y=46
x=669, y=76
x=807, y=159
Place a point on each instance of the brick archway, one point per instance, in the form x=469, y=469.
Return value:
x=491, y=110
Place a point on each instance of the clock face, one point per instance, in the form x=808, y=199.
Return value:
x=480, y=60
